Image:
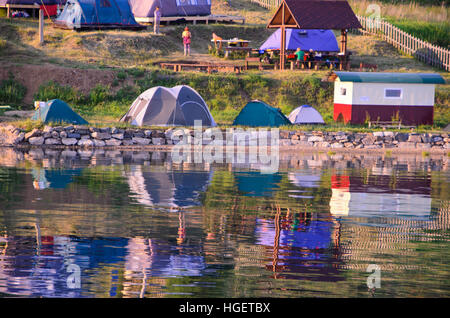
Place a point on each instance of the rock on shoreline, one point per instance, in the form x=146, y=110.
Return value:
x=93, y=137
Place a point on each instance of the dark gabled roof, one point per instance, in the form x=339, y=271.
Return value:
x=316, y=14
x=372, y=77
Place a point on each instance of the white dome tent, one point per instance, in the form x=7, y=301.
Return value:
x=305, y=115
x=162, y=106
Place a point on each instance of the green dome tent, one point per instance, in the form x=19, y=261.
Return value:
x=257, y=113
x=57, y=111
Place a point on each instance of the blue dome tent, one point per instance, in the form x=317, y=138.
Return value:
x=97, y=14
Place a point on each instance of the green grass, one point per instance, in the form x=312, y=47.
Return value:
x=436, y=33
x=226, y=95
x=11, y=91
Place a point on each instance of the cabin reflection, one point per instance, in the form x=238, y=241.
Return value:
x=380, y=195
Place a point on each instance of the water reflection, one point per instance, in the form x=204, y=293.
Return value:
x=257, y=184
x=52, y=178
x=381, y=195
x=162, y=186
x=310, y=229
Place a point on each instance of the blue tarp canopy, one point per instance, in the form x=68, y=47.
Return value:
x=317, y=40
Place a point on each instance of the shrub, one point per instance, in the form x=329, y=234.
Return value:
x=54, y=90
x=12, y=91
x=121, y=75
x=98, y=94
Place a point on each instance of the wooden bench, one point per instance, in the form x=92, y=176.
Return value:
x=178, y=67
x=316, y=65
x=229, y=49
x=249, y=59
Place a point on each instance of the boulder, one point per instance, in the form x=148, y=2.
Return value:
x=98, y=143
x=74, y=135
x=401, y=137
x=315, y=139
x=415, y=138
x=36, y=141
x=34, y=133
x=52, y=141
x=118, y=136
x=158, y=141
x=140, y=141
x=101, y=135
x=113, y=142
x=69, y=141
x=85, y=142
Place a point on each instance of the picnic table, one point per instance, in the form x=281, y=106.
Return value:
x=230, y=43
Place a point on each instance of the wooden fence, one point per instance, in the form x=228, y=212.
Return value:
x=426, y=52
x=423, y=51
x=268, y=4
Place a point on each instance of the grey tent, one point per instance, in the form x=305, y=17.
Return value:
x=305, y=115
x=170, y=8
x=162, y=106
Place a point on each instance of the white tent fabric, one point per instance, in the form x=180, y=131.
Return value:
x=305, y=115
x=162, y=106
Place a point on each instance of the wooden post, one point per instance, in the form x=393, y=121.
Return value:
x=41, y=27
x=344, y=41
x=282, y=48
x=283, y=40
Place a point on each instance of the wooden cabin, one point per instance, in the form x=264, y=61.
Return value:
x=360, y=97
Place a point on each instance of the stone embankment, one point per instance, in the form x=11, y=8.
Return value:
x=94, y=137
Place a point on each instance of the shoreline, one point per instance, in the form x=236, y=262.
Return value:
x=76, y=137
x=237, y=149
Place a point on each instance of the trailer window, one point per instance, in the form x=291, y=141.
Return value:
x=393, y=93
x=343, y=91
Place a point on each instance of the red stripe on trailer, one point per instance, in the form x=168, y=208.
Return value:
x=407, y=114
x=342, y=109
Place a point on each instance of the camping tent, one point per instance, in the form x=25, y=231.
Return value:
x=257, y=113
x=58, y=111
x=162, y=106
x=317, y=40
x=305, y=115
x=88, y=14
x=169, y=8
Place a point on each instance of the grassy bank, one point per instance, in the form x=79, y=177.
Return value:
x=225, y=95
x=427, y=20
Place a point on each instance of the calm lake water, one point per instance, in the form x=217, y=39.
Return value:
x=135, y=224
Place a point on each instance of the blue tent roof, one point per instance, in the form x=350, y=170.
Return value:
x=317, y=40
x=57, y=111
